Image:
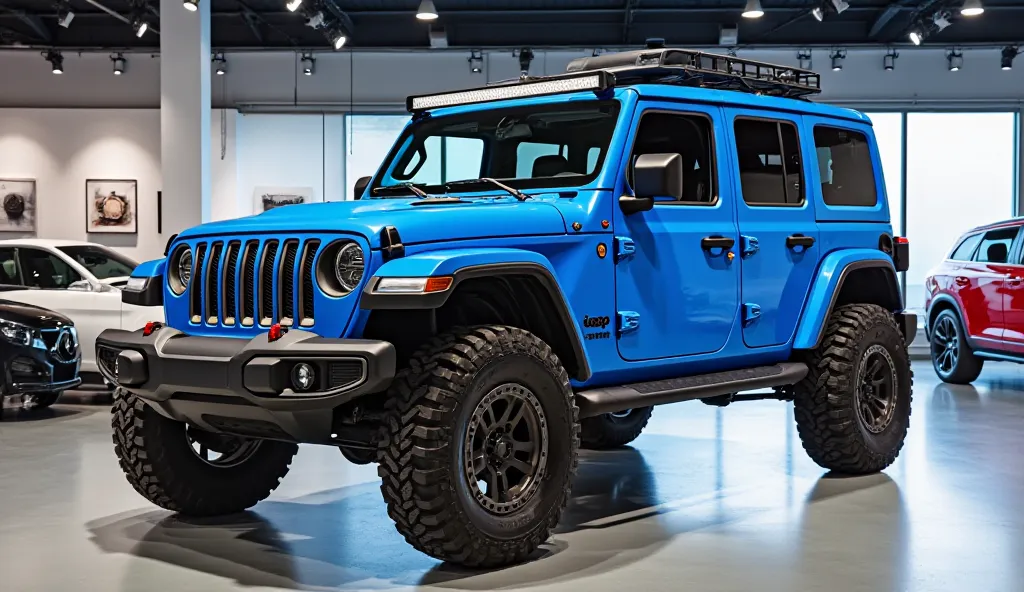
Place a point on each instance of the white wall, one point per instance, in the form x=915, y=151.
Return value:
x=382, y=80
x=61, y=148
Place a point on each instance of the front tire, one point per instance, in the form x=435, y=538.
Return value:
x=853, y=407
x=480, y=446
x=190, y=471
x=42, y=400
x=952, y=358
x=614, y=430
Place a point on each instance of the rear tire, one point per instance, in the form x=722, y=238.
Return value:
x=952, y=358
x=480, y=446
x=159, y=459
x=613, y=430
x=853, y=407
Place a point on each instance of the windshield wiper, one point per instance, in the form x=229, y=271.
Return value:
x=411, y=187
x=510, y=190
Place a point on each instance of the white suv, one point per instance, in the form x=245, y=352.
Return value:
x=77, y=279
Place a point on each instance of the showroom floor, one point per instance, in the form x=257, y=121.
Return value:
x=708, y=499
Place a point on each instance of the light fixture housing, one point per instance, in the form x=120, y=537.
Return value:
x=293, y=5
x=1009, y=53
x=139, y=24
x=308, y=63
x=916, y=36
x=220, y=64
x=889, y=60
x=753, y=10
x=826, y=7
x=56, y=60
x=954, y=60
x=337, y=37
x=476, y=61
x=426, y=11
x=972, y=8
x=190, y=5
x=119, y=63
x=837, y=56
x=804, y=57
x=64, y=14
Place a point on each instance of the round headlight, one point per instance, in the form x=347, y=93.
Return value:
x=180, y=269
x=185, y=266
x=349, y=266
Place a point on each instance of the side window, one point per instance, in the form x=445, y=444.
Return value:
x=9, y=273
x=527, y=154
x=769, y=162
x=964, y=251
x=844, y=161
x=689, y=136
x=995, y=246
x=44, y=270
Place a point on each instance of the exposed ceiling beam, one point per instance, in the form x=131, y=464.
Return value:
x=31, y=20
x=627, y=25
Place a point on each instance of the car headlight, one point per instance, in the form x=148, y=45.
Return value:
x=341, y=267
x=16, y=333
x=179, y=269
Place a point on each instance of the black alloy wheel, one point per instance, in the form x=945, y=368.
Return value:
x=876, y=389
x=945, y=345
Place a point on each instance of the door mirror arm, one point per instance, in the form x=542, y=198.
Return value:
x=633, y=205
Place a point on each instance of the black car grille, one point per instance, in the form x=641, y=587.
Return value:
x=253, y=282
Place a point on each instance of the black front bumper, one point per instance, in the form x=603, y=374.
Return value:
x=244, y=386
x=36, y=370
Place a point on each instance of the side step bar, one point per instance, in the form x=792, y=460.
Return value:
x=612, y=399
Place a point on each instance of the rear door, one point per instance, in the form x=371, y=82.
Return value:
x=778, y=248
x=980, y=283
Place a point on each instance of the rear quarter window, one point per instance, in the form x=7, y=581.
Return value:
x=845, y=166
x=965, y=249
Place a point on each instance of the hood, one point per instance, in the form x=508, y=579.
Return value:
x=417, y=220
x=36, y=317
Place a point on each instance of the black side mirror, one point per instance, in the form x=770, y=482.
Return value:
x=361, y=184
x=654, y=175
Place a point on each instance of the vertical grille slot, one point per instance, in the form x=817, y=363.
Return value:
x=249, y=282
x=230, y=294
x=286, y=279
x=195, y=295
x=266, y=289
x=211, y=285
x=306, y=283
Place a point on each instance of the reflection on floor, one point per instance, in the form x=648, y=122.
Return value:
x=707, y=499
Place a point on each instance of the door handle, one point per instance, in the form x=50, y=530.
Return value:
x=798, y=240
x=1013, y=280
x=961, y=280
x=709, y=243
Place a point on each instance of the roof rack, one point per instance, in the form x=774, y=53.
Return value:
x=697, y=68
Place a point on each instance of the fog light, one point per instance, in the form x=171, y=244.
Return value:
x=303, y=377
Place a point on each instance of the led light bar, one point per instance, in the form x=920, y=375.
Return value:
x=552, y=85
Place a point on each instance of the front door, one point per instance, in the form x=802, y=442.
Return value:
x=682, y=289
x=779, y=248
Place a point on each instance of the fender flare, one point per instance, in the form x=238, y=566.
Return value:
x=152, y=293
x=466, y=264
x=947, y=299
x=832, y=273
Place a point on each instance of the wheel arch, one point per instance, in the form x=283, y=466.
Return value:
x=845, y=277
x=943, y=302
x=490, y=275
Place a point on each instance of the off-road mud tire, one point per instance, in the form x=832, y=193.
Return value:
x=420, y=458
x=829, y=424
x=157, y=461
x=608, y=431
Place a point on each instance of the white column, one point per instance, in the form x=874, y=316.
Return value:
x=185, y=114
x=1018, y=207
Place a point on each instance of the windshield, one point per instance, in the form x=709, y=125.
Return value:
x=539, y=146
x=100, y=261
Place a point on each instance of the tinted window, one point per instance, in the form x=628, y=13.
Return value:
x=44, y=270
x=100, y=261
x=966, y=248
x=769, y=162
x=527, y=154
x=995, y=246
x=689, y=136
x=9, y=273
x=844, y=161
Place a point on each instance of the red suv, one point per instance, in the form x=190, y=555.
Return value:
x=975, y=302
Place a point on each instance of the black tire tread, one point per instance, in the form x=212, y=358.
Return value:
x=602, y=433
x=414, y=450
x=968, y=366
x=824, y=413
x=139, y=435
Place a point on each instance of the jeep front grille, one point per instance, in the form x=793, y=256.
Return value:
x=233, y=281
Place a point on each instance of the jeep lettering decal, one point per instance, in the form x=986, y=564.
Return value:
x=595, y=322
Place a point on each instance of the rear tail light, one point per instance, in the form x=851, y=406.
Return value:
x=901, y=253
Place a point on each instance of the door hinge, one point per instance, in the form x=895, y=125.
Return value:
x=624, y=248
x=749, y=245
x=629, y=321
x=751, y=312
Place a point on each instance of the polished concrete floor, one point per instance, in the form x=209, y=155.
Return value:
x=707, y=499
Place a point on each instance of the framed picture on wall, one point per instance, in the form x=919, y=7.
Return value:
x=111, y=206
x=18, y=197
x=268, y=198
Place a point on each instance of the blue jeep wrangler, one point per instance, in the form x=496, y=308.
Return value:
x=535, y=266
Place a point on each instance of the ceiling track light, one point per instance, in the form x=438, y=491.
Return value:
x=476, y=61
x=889, y=60
x=220, y=64
x=955, y=59
x=972, y=8
x=308, y=63
x=293, y=5
x=191, y=5
x=837, y=56
x=917, y=34
x=426, y=11
x=337, y=37
x=753, y=10
x=826, y=7
x=1009, y=53
x=56, y=61
x=804, y=57
x=119, y=63
x=64, y=14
